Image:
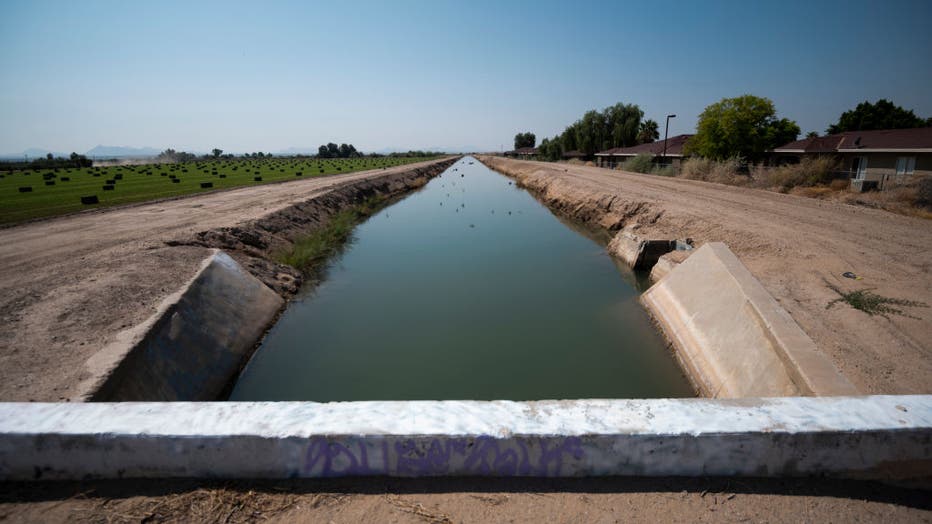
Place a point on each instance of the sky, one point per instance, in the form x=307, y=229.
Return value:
x=267, y=76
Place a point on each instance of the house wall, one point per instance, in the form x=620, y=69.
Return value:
x=881, y=167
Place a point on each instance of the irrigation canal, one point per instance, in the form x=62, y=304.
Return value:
x=467, y=289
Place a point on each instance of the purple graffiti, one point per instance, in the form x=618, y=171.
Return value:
x=482, y=455
x=328, y=454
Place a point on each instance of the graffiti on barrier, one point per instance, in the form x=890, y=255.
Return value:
x=437, y=456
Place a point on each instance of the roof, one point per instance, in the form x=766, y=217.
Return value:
x=674, y=148
x=917, y=139
x=523, y=151
x=574, y=154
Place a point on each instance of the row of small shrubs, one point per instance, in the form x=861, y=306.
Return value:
x=644, y=163
x=809, y=172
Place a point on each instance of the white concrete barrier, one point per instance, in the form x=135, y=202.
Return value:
x=872, y=437
x=733, y=339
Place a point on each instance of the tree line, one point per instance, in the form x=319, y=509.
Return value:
x=620, y=125
x=48, y=162
x=743, y=127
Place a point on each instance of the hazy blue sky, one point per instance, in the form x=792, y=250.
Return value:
x=272, y=75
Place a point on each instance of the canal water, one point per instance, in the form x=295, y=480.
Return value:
x=466, y=289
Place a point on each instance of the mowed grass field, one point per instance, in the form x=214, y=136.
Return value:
x=59, y=191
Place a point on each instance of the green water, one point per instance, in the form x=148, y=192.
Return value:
x=467, y=289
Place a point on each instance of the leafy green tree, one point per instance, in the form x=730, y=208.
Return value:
x=216, y=152
x=48, y=156
x=550, y=149
x=333, y=150
x=648, y=132
x=744, y=126
x=623, y=123
x=525, y=140
x=882, y=115
x=812, y=134
x=323, y=152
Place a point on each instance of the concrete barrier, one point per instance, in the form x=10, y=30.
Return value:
x=196, y=343
x=640, y=253
x=868, y=437
x=732, y=337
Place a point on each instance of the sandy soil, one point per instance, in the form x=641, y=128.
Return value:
x=68, y=285
x=795, y=246
x=607, y=500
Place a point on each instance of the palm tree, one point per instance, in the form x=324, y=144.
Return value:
x=648, y=132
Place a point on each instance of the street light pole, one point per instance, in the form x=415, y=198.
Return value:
x=666, y=129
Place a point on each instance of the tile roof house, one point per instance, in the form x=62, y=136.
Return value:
x=524, y=153
x=674, y=151
x=874, y=159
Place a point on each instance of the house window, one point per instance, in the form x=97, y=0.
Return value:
x=905, y=165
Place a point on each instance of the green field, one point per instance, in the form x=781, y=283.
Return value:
x=138, y=183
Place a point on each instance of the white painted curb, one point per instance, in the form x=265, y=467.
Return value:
x=873, y=437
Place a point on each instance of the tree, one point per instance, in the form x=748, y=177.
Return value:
x=49, y=156
x=615, y=126
x=217, y=152
x=743, y=126
x=344, y=151
x=550, y=149
x=568, y=139
x=333, y=150
x=812, y=134
x=648, y=132
x=882, y=115
x=525, y=140
x=622, y=124
x=323, y=152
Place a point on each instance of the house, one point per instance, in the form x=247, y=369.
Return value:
x=576, y=155
x=673, y=155
x=872, y=159
x=523, y=153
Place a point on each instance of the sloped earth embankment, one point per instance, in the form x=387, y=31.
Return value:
x=255, y=244
x=70, y=285
x=798, y=248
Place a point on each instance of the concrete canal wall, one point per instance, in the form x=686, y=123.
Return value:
x=884, y=437
x=732, y=337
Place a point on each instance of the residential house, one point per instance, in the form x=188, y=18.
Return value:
x=523, y=153
x=576, y=155
x=673, y=154
x=873, y=159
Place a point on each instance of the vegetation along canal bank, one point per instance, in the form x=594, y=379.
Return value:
x=467, y=289
x=799, y=249
x=74, y=285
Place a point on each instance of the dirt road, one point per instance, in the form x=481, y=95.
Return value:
x=68, y=285
x=602, y=500
x=794, y=245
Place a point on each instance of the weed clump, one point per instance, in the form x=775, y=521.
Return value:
x=310, y=252
x=642, y=163
x=873, y=304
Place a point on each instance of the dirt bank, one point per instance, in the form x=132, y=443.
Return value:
x=447, y=500
x=68, y=286
x=795, y=246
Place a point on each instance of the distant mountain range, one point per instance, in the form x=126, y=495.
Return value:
x=102, y=151
x=96, y=152
x=122, y=151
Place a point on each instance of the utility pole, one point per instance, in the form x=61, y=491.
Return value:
x=666, y=129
